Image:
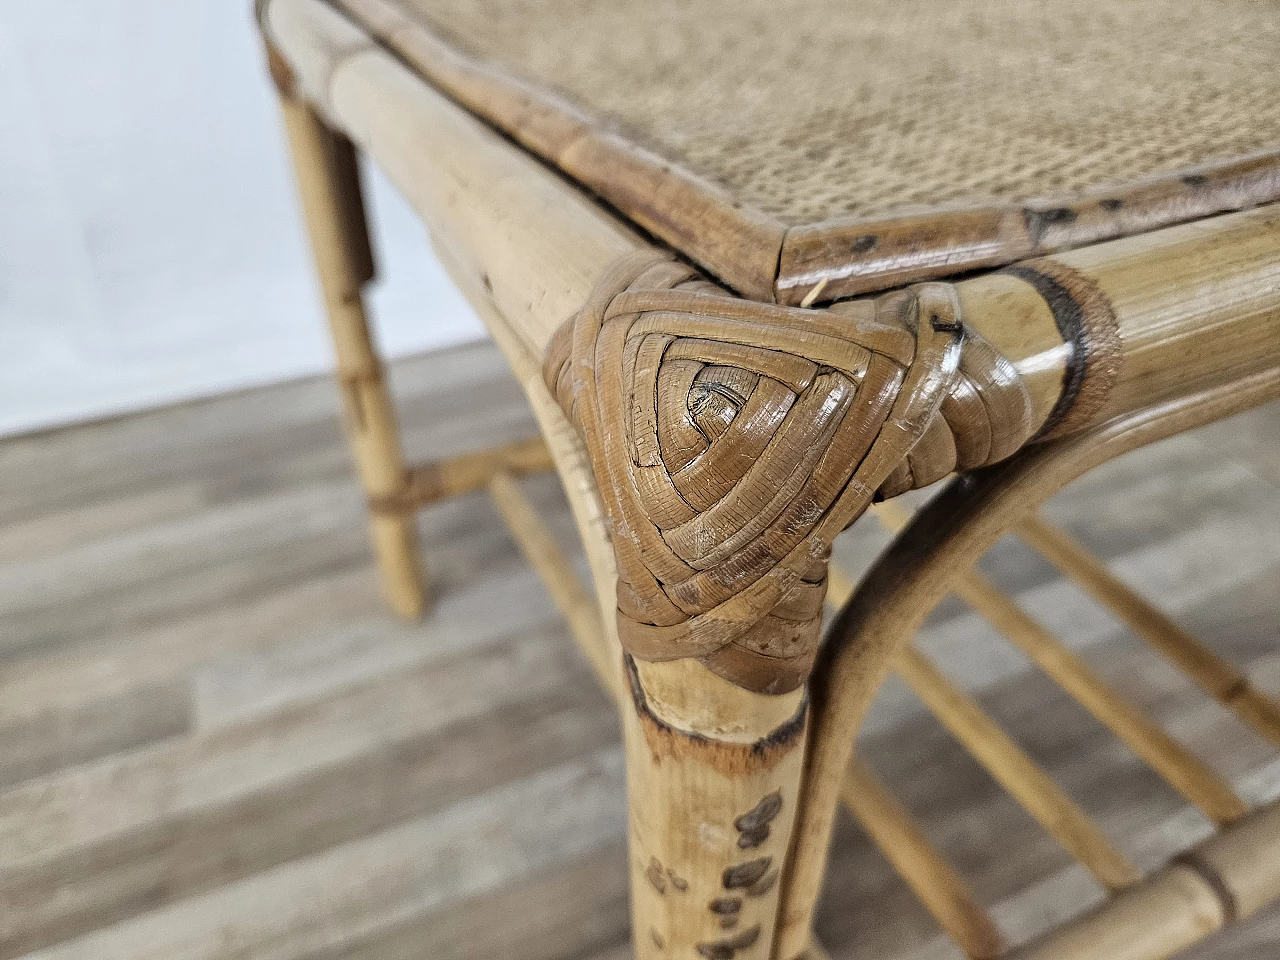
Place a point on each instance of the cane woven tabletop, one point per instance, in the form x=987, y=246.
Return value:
x=727, y=125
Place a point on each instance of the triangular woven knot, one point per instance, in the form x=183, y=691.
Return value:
x=733, y=440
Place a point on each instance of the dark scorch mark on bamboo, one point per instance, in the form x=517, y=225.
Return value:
x=725, y=905
x=763, y=885
x=726, y=949
x=655, y=875
x=744, y=875
x=726, y=910
x=1039, y=221
x=754, y=825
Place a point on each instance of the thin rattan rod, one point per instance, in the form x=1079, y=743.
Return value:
x=928, y=874
x=1221, y=680
x=571, y=596
x=1005, y=761
x=426, y=483
x=1025, y=781
x=1177, y=765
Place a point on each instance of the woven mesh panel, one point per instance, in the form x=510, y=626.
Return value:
x=817, y=109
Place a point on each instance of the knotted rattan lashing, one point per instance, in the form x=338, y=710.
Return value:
x=733, y=440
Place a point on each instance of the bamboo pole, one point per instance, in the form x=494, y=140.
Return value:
x=1166, y=756
x=1244, y=862
x=1221, y=680
x=1167, y=913
x=571, y=596
x=1224, y=879
x=328, y=182
x=944, y=894
x=1177, y=765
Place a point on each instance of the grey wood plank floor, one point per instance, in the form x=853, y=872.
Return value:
x=215, y=743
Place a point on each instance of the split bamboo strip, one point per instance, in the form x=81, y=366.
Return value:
x=1005, y=761
x=1016, y=772
x=1182, y=769
x=1221, y=680
x=943, y=893
x=572, y=598
x=430, y=482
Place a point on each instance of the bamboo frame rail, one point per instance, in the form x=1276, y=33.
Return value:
x=1016, y=772
x=329, y=188
x=936, y=885
x=429, y=482
x=1220, y=881
x=1224, y=682
x=1177, y=765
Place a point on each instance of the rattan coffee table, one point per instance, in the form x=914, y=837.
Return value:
x=761, y=268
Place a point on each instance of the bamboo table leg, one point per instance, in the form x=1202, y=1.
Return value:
x=713, y=776
x=328, y=181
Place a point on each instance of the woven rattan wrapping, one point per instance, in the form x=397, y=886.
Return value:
x=732, y=441
x=815, y=109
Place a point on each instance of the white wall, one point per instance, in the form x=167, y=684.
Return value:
x=150, y=244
